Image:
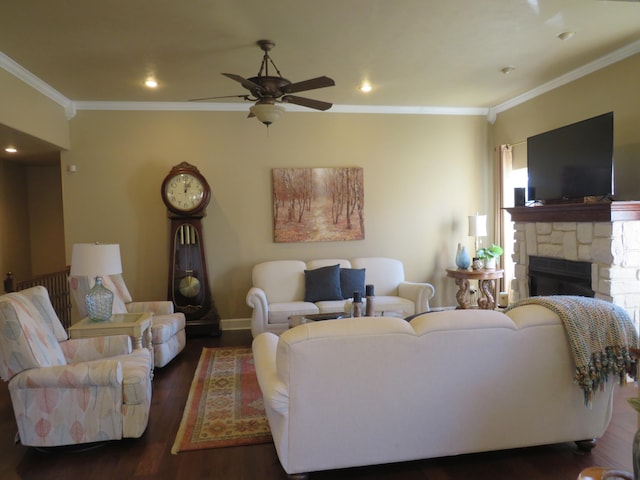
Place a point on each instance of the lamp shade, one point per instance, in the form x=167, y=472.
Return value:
x=95, y=259
x=267, y=113
x=477, y=225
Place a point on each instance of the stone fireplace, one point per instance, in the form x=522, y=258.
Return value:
x=605, y=235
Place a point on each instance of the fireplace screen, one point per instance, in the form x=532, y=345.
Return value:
x=555, y=276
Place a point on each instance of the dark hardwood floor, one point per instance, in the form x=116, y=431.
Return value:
x=150, y=456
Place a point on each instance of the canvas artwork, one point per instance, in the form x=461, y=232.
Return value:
x=318, y=204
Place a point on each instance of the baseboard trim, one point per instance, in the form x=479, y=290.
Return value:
x=235, y=324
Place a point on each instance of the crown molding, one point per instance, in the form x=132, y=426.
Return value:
x=162, y=106
x=71, y=107
x=569, y=77
x=30, y=79
x=241, y=107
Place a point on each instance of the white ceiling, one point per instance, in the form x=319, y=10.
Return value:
x=415, y=53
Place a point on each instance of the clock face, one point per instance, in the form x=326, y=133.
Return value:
x=184, y=192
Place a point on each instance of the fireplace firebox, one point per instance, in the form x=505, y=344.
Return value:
x=556, y=276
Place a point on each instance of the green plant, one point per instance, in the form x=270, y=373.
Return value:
x=494, y=251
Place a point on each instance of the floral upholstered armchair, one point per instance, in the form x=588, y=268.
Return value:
x=168, y=336
x=69, y=391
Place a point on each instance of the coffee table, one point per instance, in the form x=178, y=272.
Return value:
x=295, y=320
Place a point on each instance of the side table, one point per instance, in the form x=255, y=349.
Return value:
x=136, y=325
x=487, y=283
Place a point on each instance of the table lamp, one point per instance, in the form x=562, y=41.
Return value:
x=477, y=228
x=95, y=260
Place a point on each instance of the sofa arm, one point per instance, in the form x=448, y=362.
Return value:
x=161, y=307
x=257, y=299
x=77, y=350
x=97, y=373
x=274, y=391
x=418, y=293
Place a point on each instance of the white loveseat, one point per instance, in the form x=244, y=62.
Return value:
x=374, y=390
x=278, y=291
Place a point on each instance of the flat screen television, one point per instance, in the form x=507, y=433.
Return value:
x=572, y=162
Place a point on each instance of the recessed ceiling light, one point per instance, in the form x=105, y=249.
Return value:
x=151, y=82
x=365, y=87
x=566, y=35
x=508, y=69
x=11, y=150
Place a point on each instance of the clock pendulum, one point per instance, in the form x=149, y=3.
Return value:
x=186, y=194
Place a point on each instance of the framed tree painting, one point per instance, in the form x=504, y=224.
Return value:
x=318, y=204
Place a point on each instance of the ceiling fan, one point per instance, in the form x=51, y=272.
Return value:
x=269, y=90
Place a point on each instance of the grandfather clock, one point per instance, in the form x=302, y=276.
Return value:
x=186, y=194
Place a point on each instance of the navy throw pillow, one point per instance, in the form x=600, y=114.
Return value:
x=352, y=280
x=322, y=284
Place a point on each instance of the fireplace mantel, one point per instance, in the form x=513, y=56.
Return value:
x=578, y=212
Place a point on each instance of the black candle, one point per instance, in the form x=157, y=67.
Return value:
x=369, y=289
x=357, y=297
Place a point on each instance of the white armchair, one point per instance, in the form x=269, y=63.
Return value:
x=64, y=391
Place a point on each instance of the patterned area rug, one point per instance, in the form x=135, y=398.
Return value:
x=225, y=406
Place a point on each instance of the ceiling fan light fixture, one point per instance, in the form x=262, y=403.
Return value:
x=267, y=113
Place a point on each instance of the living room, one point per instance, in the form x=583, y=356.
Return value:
x=424, y=174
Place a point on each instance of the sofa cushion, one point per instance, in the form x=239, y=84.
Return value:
x=281, y=280
x=327, y=262
x=352, y=280
x=322, y=284
x=25, y=340
x=385, y=274
x=38, y=298
x=331, y=306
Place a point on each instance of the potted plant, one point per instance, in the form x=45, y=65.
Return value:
x=490, y=256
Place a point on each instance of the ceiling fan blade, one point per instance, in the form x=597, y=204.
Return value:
x=312, y=84
x=248, y=84
x=245, y=97
x=307, y=102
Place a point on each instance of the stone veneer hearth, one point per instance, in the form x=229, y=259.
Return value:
x=605, y=234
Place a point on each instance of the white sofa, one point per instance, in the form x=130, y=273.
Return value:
x=278, y=291
x=374, y=390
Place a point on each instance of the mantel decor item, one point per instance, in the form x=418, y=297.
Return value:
x=96, y=260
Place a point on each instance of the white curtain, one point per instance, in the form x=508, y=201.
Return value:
x=503, y=198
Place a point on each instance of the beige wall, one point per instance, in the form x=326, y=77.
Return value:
x=14, y=221
x=614, y=88
x=423, y=176
x=28, y=111
x=46, y=223
x=31, y=223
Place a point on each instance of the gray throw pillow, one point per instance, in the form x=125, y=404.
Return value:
x=352, y=280
x=322, y=284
